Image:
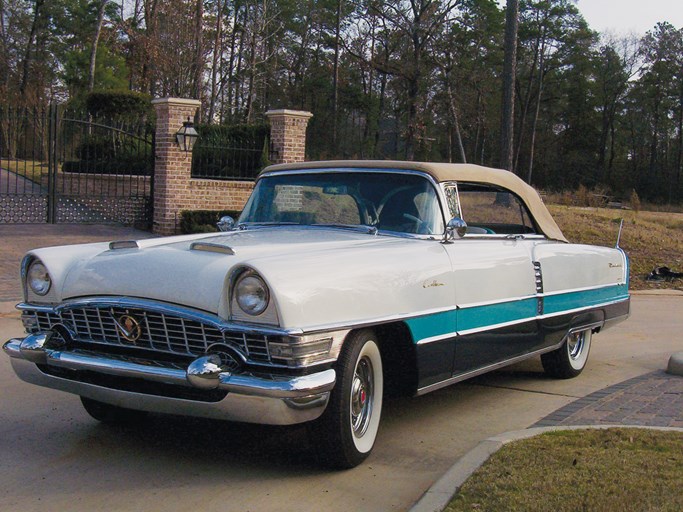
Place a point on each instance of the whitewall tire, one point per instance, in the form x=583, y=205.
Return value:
x=570, y=359
x=345, y=434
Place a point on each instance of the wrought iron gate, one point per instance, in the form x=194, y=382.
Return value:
x=61, y=167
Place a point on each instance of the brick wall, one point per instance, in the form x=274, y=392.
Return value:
x=174, y=188
x=288, y=135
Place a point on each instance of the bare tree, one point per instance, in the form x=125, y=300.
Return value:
x=509, y=75
x=95, y=42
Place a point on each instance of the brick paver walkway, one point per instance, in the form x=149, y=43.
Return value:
x=654, y=399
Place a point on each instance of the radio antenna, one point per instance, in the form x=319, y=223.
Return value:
x=621, y=226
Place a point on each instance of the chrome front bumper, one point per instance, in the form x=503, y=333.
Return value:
x=272, y=400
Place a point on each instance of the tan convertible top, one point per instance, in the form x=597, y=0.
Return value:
x=450, y=172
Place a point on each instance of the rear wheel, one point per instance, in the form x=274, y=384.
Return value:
x=345, y=434
x=111, y=414
x=570, y=359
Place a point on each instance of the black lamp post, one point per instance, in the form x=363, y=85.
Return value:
x=187, y=136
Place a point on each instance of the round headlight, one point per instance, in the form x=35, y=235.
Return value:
x=252, y=295
x=38, y=278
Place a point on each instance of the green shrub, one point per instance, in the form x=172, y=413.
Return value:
x=203, y=221
x=230, y=152
x=111, y=154
x=124, y=166
x=120, y=105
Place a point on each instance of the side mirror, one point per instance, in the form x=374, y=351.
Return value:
x=226, y=223
x=455, y=229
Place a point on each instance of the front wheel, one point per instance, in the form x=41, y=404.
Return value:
x=346, y=432
x=570, y=359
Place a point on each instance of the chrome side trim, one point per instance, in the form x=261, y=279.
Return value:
x=495, y=302
x=585, y=308
x=584, y=289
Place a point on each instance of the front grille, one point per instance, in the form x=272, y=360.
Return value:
x=159, y=332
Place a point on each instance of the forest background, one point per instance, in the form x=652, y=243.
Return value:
x=405, y=79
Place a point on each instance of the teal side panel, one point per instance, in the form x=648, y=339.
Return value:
x=496, y=314
x=582, y=299
x=491, y=315
x=437, y=324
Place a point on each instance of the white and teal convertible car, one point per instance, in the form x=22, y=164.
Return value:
x=340, y=282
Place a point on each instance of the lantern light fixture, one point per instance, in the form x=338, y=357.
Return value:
x=187, y=136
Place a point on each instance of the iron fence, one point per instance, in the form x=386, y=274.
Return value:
x=61, y=167
x=230, y=152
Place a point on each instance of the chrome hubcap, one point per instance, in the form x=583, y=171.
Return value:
x=575, y=344
x=361, y=397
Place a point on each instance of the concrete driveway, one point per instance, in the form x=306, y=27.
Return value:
x=54, y=457
x=12, y=183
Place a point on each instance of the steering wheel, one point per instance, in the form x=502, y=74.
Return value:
x=422, y=226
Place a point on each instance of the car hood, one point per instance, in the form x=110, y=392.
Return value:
x=194, y=270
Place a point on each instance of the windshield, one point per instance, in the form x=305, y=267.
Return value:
x=404, y=203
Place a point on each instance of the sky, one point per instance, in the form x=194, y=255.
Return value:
x=625, y=16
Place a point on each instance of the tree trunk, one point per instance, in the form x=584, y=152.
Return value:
x=335, y=77
x=509, y=76
x=538, y=49
x=679, y=155
x=199, y=53
x=534, y=123
x=28, y=54
x=95, y=43
x=217, y=52
x=456, y=123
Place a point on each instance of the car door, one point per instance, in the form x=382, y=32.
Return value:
x=494, y=277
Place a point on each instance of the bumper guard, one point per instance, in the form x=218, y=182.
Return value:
x=250, y=398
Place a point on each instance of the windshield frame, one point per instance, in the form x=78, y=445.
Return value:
x=436, y=188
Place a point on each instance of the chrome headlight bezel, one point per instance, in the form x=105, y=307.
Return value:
x=38, y=279
x=251, y=293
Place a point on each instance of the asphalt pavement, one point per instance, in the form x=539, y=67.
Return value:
x=625, y=384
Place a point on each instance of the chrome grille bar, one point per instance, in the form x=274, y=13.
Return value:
x=160, y=332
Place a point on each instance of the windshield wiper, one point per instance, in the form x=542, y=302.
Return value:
x=372, y=230
x=247, y=225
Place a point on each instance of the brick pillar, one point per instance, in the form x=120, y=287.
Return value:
x=172, y=167
x=288, y=135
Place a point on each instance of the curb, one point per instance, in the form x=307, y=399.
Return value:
x=675, y=366
x=666, y=292
x=439, y=495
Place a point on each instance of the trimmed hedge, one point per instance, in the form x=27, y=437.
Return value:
x=230, y=152
x=203, y=221
x=128, y=106
x=100, y=154
x=124, y=166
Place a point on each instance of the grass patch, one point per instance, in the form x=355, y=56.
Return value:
x=596, y=470
x=650, y=239
x=34, y=170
